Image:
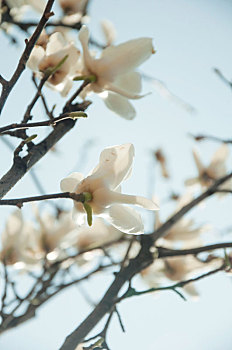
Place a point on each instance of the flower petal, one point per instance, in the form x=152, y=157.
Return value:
x=115, y=197
x=56, y=42
x=114, y=164
x=125, y=219
x=117, y=60
x=217, y=165
x=84, y=39
x=35, y=58
x=69, y=183
x=131, y=82
x=120, y=105
x=200, y=166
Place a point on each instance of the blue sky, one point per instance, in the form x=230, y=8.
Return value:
x=191, y=37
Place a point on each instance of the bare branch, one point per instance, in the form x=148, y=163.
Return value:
x=19, y=201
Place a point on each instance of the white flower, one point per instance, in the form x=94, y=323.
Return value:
x=56, y=49
x=97, y=235
x=54, y=234
x=35, y=4
x=115, y=72
x=19, y=242
x=104, y=186
x=184, y=231
x=215, y=170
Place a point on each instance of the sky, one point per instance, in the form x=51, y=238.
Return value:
x=191, y=38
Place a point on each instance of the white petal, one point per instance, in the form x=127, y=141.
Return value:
x=131, y=82
x=217, y=165
x=122, y=92
x=109, y=31
x=125, y=219
x=115, y=197
x=200, y=166
x=114, y=164
x=84, y=39
x=56, y=42
x=117, y=60
x=191, y=290
x=120, y=105
x=35, y=58
x=37, y=5
x=79, y=217
x=69, y=183
x=65, y=87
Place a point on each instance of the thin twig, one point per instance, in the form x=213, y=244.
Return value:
x=212, y=138
x=19, y=201
x=26, y=125
x=165, y=252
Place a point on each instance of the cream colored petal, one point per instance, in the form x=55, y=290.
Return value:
x=35, y=58
x=118, y=90
x=125, y=219
x=84, y=39
x=131, y=82
x=65, y=87
x=217, y=165
x=191, y=290
x=192, y=181
x=117, y=60
x=56, y=42
x=115, y=197
x=79, y=217
x=120, y=105
x=109, y=31
x=114, y=164
x=200, y=166
x=69, y=183
x=38, y=5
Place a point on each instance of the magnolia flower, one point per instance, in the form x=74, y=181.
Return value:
x=184, y=232
x=114, y=72
x=35, y=4
x=54, y=234
x=71, y=7
x=177, y=269
x=19, y=242
x=97, y=235
x=57, y=49
x=103, y=185
x=215, y=170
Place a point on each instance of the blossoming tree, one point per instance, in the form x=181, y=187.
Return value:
x=56, y=246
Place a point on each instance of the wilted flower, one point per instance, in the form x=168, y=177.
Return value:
x=215, y=170
x=103, y=185
x=57, y=49
x=114, y=72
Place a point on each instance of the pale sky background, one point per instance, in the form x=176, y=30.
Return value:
x=191, y=37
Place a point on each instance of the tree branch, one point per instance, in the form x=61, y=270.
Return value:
x=7, y=86
x=165, y=252
x=144, y=258
x=19, y=201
